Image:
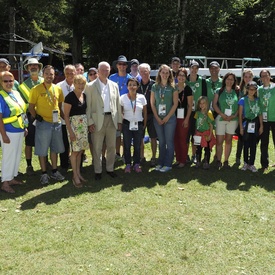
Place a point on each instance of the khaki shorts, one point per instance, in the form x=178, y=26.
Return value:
x=225, y=127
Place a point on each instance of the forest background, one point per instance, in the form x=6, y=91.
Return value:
x=151, y=31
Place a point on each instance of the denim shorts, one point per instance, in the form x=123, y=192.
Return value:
x=48, y=135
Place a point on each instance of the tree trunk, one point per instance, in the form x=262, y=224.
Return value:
x=12, y=33
x=77, y=46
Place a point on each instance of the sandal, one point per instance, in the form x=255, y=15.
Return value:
x=15, y=182
x=82, y=179
x=77, y=184
x=6, y=187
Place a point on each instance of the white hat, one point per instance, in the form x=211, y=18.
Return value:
x=33, y=61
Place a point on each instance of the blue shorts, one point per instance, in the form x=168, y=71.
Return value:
x=48, y=135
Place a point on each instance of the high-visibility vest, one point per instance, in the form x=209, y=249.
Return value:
x=16, y=109
x=24, y=89
x=25, y=92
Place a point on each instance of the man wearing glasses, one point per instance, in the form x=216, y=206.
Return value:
x=33, y=67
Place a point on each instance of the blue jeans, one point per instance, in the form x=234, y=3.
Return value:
x=128, y=136
x=165, y=135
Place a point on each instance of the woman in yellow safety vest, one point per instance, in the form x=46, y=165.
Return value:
x=13, y=124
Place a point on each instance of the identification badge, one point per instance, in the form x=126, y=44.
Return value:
x=133, y=126
x=228, y=112
x=162, y=109
x=193, y=106
x=180, y=113
x=251, y=127
x=25, y=119
x=197, y=140
x=55, y=116
x=264, y=116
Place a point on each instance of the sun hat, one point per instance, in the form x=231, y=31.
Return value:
x=32, y=61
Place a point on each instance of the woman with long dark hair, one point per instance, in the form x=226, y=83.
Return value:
x=225, y=103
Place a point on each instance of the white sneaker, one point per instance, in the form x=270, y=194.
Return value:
x=57, y=176
x=165, y=169
x=245, y=166
x=158, y=167
x=253, y=168
x=44, y=179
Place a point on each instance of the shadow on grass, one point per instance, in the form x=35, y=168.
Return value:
x=234, y=178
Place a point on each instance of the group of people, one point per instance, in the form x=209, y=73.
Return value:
x=101, y=111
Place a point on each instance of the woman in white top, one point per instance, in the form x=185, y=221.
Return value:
x=134, y=121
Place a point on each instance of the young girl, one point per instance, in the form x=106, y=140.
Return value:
x=251, y=124
x=204, y=137
x=247, y=76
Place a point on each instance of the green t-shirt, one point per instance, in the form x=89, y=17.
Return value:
x=203, y=121
x=163, y=96
x=267, y=101
x=211, y=89
x=251, y=109
x=228, y=101
x=196, y=87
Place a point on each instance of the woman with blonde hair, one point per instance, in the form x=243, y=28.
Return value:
x=164, y=102
x=76, y=121
x=13, y=128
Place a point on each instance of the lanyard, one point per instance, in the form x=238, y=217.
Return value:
x=146, y=90
x=266, y=96
x=162, y=93
x=16, y=101
x=122, y=84
x=133, y=105
x=49, y=95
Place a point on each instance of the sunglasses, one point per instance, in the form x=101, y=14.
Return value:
x=7, y=81
x=122, y=64
x=92, y=73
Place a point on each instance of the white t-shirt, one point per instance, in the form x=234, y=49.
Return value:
x=129, y=107
x=66, y=89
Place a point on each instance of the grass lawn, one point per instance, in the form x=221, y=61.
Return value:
x=186, y=221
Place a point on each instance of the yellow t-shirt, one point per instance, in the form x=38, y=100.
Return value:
x=46, y=99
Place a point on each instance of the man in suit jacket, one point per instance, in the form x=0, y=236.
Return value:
x=104, y=118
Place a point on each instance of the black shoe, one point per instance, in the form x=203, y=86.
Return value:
x=112, y=174
x=97, y=176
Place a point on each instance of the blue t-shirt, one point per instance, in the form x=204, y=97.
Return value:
x=121, y=81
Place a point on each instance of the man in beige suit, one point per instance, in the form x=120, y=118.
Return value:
x=104, y=118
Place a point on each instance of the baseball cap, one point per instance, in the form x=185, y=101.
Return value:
x=214, y=64
x=4, y=60
x=251, y=84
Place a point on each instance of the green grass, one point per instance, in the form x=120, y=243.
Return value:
x=188, y=221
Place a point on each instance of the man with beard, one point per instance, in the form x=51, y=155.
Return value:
x=33, y=67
